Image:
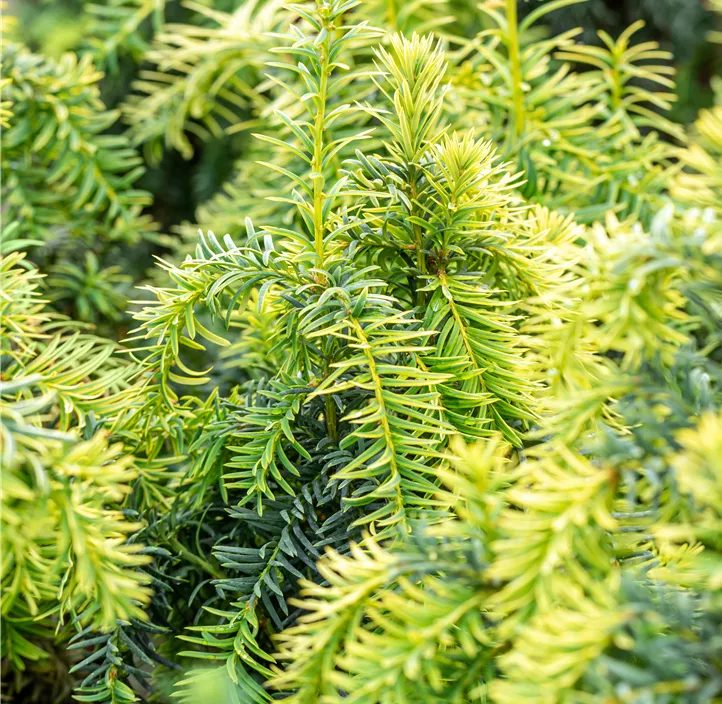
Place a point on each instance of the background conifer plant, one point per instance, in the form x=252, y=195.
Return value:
x=419, y=400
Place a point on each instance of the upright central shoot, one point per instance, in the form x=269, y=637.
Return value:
x=325, y=45
x=320, y=118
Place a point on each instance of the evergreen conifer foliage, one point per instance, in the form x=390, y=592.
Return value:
x=61, y=170
x=387, y=338
x=584, y=122
x=586, y=571
x=434, y=418
x=65, y=539
x=69, y=185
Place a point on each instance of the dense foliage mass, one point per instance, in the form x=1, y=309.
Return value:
x=428, y=410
